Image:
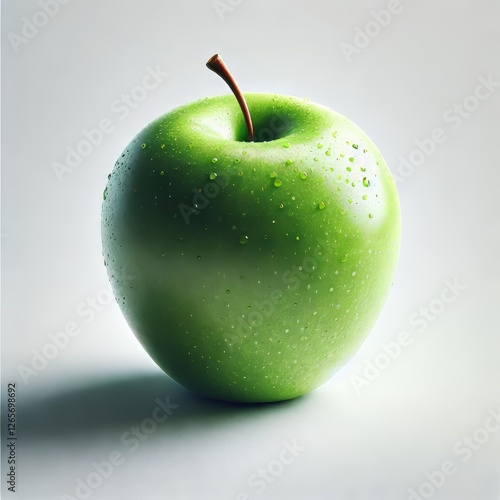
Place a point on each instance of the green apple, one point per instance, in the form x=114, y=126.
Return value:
x=251, y=271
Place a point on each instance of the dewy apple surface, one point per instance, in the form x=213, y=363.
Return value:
x=221, y=230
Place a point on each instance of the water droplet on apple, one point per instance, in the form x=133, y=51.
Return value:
x=286, y=145
x=328, y=153
x=344, y=258
x=277, y=183
x=244, y=240
x=143, y=145
x=288, y=162
x=281, y=205
x=348, y=169
x=228, y=291
x=370, y=215
x=162, y=173
x=105, y=194
x=331, y=290
x=319, y=145
x=342, y=211
x=355, y=146
x=354, y=273
x=215, y=160
x=249, y=308
x=351, y=159
x=265, y=236
x=237, y=160
x=366, y=182
x=199, y=257
x=212, y=176
x=321, y=205
x=303, y=176
x=273, y=175
x=364, y=197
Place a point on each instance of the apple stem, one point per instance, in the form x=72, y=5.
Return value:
x=217, y=65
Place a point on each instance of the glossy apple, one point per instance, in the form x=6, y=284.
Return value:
x=251, y=271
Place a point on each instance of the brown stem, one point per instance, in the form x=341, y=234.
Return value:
x=217, y=65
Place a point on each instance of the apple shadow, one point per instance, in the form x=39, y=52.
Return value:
x=118, y=404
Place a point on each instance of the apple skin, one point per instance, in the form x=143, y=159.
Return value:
x=255, y=284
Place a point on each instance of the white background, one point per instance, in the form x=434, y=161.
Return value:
x=373, y=441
